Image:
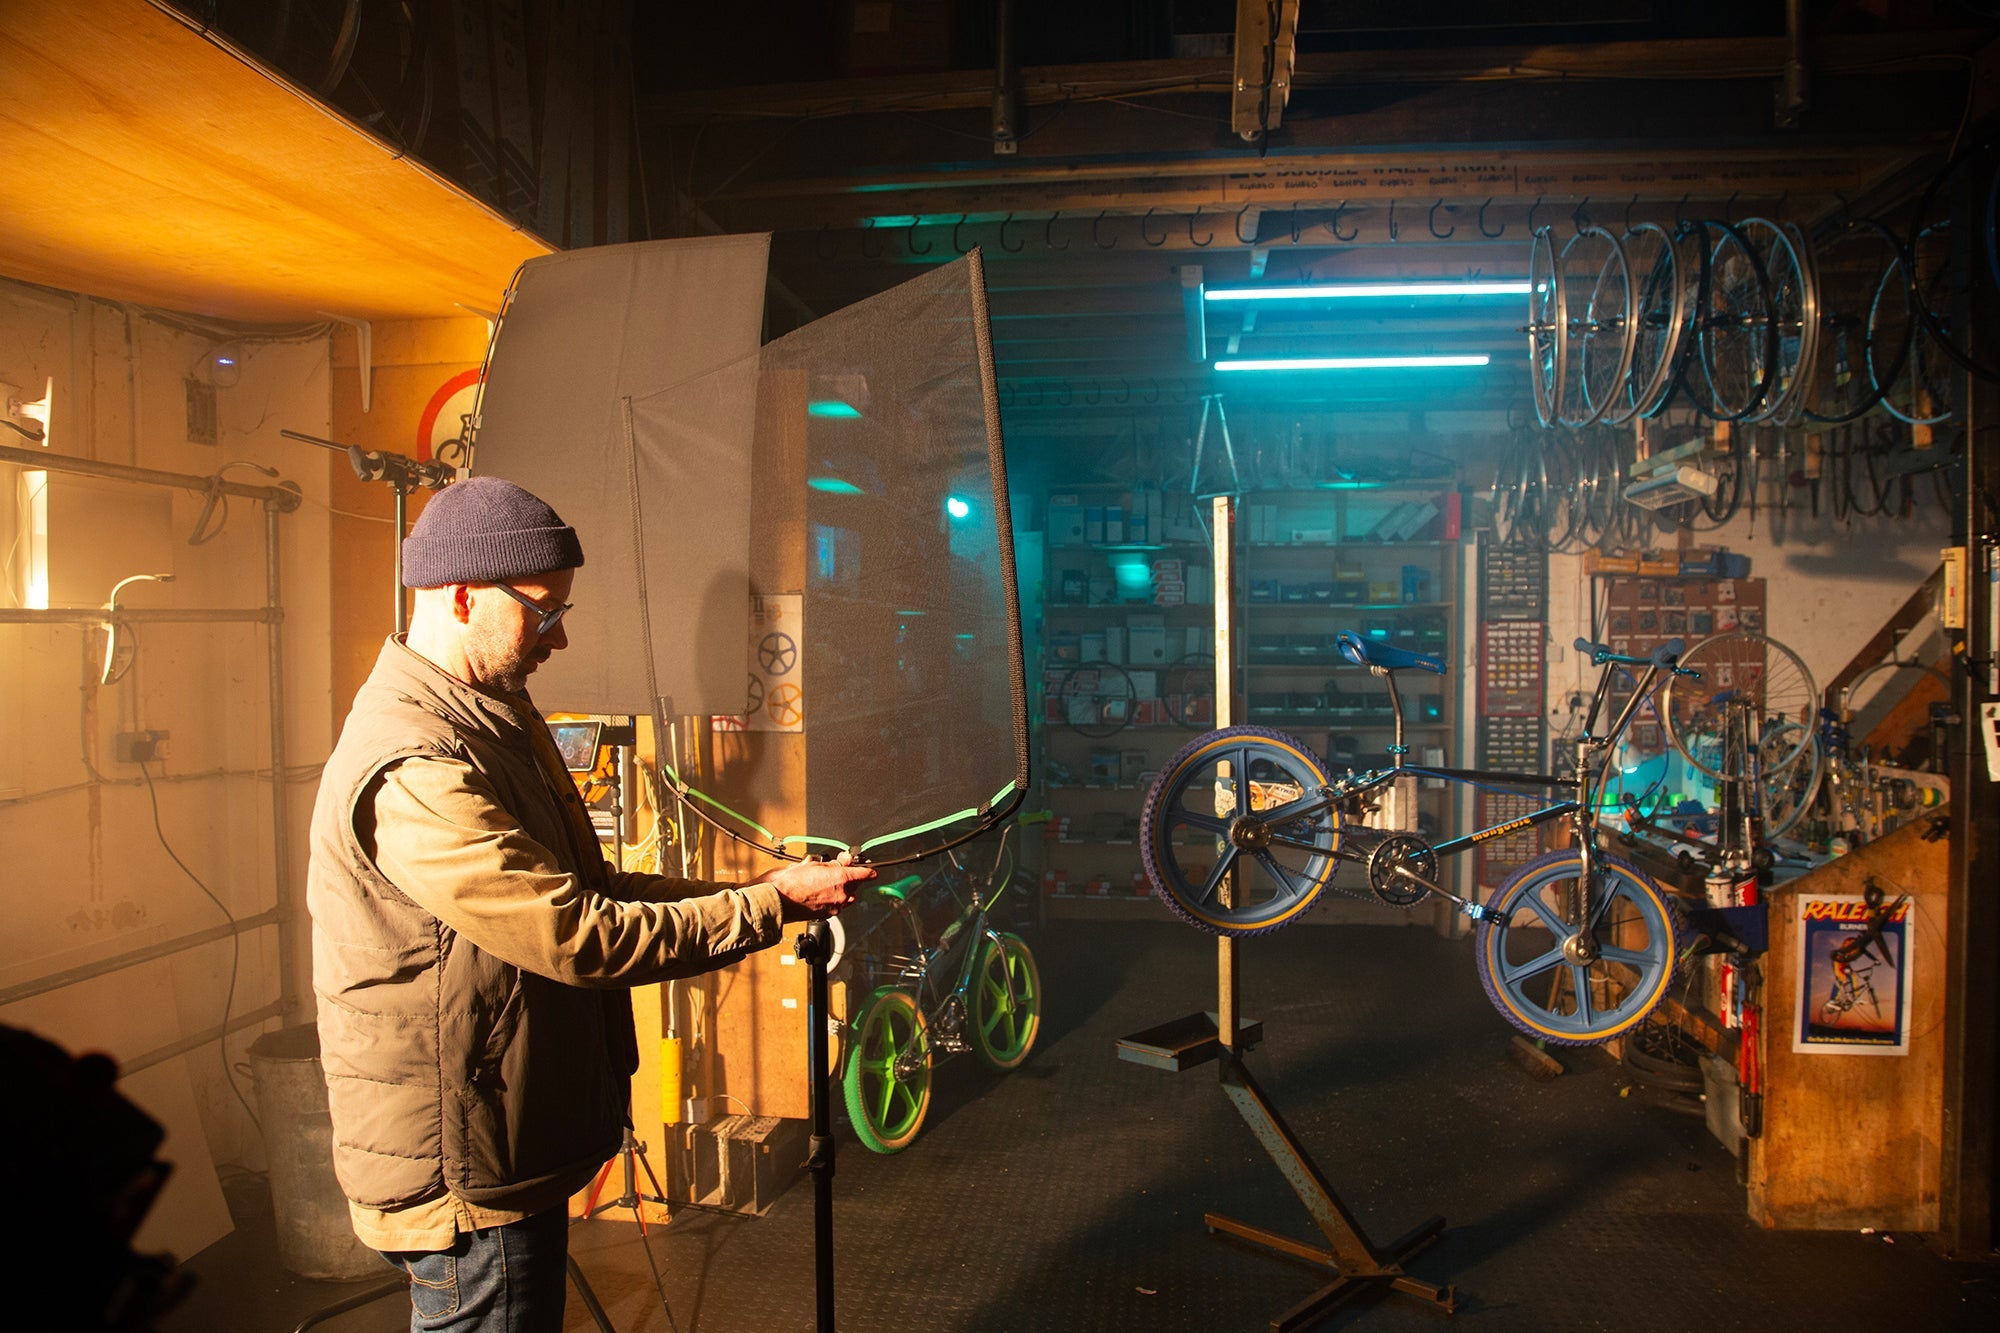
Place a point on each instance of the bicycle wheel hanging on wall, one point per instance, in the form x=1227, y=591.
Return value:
x=1792, y=306
x=1597, y=289
x=1096, y=699
x=1754, y=677
x=1666, y=269
x=1736, y=339
x=1547, y=327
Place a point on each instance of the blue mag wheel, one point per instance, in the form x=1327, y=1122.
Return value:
x=1578, y=987
x=1247, y=798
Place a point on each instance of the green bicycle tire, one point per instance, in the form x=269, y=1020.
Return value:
x=1006, y=1003
x=885, y=1108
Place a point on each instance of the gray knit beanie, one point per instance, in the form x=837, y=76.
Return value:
x=485, y=530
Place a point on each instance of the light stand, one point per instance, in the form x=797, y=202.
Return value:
x=403, y=475
x=815, y=947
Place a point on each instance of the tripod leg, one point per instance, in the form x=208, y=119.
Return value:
x=589, y=1297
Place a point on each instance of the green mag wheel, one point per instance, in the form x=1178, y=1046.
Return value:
x=1006, y=1002
x=1244, y=798
x=888, y=1080
x=1578, y=987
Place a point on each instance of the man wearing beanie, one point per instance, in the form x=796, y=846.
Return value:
x=471, y=946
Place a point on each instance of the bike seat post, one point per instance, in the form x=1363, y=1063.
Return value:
x=1399, y=748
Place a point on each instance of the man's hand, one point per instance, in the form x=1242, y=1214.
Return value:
x=816, y=888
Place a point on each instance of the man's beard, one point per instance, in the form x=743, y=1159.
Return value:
x=508, y=669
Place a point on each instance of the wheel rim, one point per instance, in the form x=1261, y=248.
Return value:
x=1739, y=669
x=887, y=1105
x=1540, y=982
x=1006, y=1003
x=1239, y=798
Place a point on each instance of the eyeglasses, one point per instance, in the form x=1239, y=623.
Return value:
x=549, y=617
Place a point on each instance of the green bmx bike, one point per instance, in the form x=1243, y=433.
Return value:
x=939, y=980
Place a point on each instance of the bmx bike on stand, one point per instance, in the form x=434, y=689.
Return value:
x=1575, y=947
x=940, y=980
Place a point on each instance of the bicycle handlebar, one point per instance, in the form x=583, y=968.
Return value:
x=1666, y=655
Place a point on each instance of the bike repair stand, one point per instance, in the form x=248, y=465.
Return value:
x=815, y=946
x=1355, y=1264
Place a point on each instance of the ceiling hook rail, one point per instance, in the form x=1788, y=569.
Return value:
x=1251, y=239
x=910, y=241
x=1446, y=234
x=1199, y=245
x=962, y=249
x=1147, y=236
x=1489, y=235
x=1333, y=225
x=1010, y=249
x=1049, y=233
x=1093, y=233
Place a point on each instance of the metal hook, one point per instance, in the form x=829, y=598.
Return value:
x=1446, y=234
x=1153, y=393
x=1334, y=225
x=910, y=241
x=1125, y=387
x=1846, y=209
x=1393, y=237
x=1729, y=209
x=1093, y=234
x=1489, y=235
x=1199, y=245
x=1628, y=214
x=1065, y=399
x=823, y=234
x=1295, y=222
x=1049, y=233
x=1580, y=218
x=1180, y=391
x=1680, y=221
x=1010, y=249
x=962, y=249
x=1532, y=209
x=1251, y=239
x=867, y=232
x=1096, y=394
x=1147, y=236
x=1041, y=392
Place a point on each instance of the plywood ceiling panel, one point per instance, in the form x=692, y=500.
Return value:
x=143, y=161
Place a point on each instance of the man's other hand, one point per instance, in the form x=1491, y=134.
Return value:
x=817, y=888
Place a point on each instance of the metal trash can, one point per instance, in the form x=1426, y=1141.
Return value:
x=315, y=1237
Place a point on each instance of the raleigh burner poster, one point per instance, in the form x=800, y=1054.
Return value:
x=1854, y=975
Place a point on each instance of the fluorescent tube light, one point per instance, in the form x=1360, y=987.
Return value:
x=1358, y=362
x=1364, y=290
x=831, y=407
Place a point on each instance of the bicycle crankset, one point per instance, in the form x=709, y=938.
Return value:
x=1402, y=869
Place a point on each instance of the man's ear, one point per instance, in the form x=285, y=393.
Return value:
x=461, y=602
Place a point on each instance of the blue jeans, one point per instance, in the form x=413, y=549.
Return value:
x=505, y=1279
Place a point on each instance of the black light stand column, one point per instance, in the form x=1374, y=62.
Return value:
x=403, y=475
x=814, y=947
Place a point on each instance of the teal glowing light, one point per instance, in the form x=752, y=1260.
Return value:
x=833, y=486
x=1358, y=362
x=956, y=507
x=831, y=407
x=1365, y=290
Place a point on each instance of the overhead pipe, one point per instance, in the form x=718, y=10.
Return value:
x=1795, y=84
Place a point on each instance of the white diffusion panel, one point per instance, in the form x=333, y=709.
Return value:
x=670, y=328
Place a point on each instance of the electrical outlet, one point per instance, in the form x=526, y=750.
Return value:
x=141, y=747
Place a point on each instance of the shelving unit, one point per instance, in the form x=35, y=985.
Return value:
x=1126, y=680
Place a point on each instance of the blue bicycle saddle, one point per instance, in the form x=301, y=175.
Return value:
x=1366, y=652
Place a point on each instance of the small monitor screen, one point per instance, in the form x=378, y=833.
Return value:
x=577, y=742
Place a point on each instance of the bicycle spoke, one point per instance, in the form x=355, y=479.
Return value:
x=1223, y=865
x=1534, y=967
x=1579, y=981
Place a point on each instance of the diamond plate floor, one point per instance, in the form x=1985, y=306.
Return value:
x=1069, y=1195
